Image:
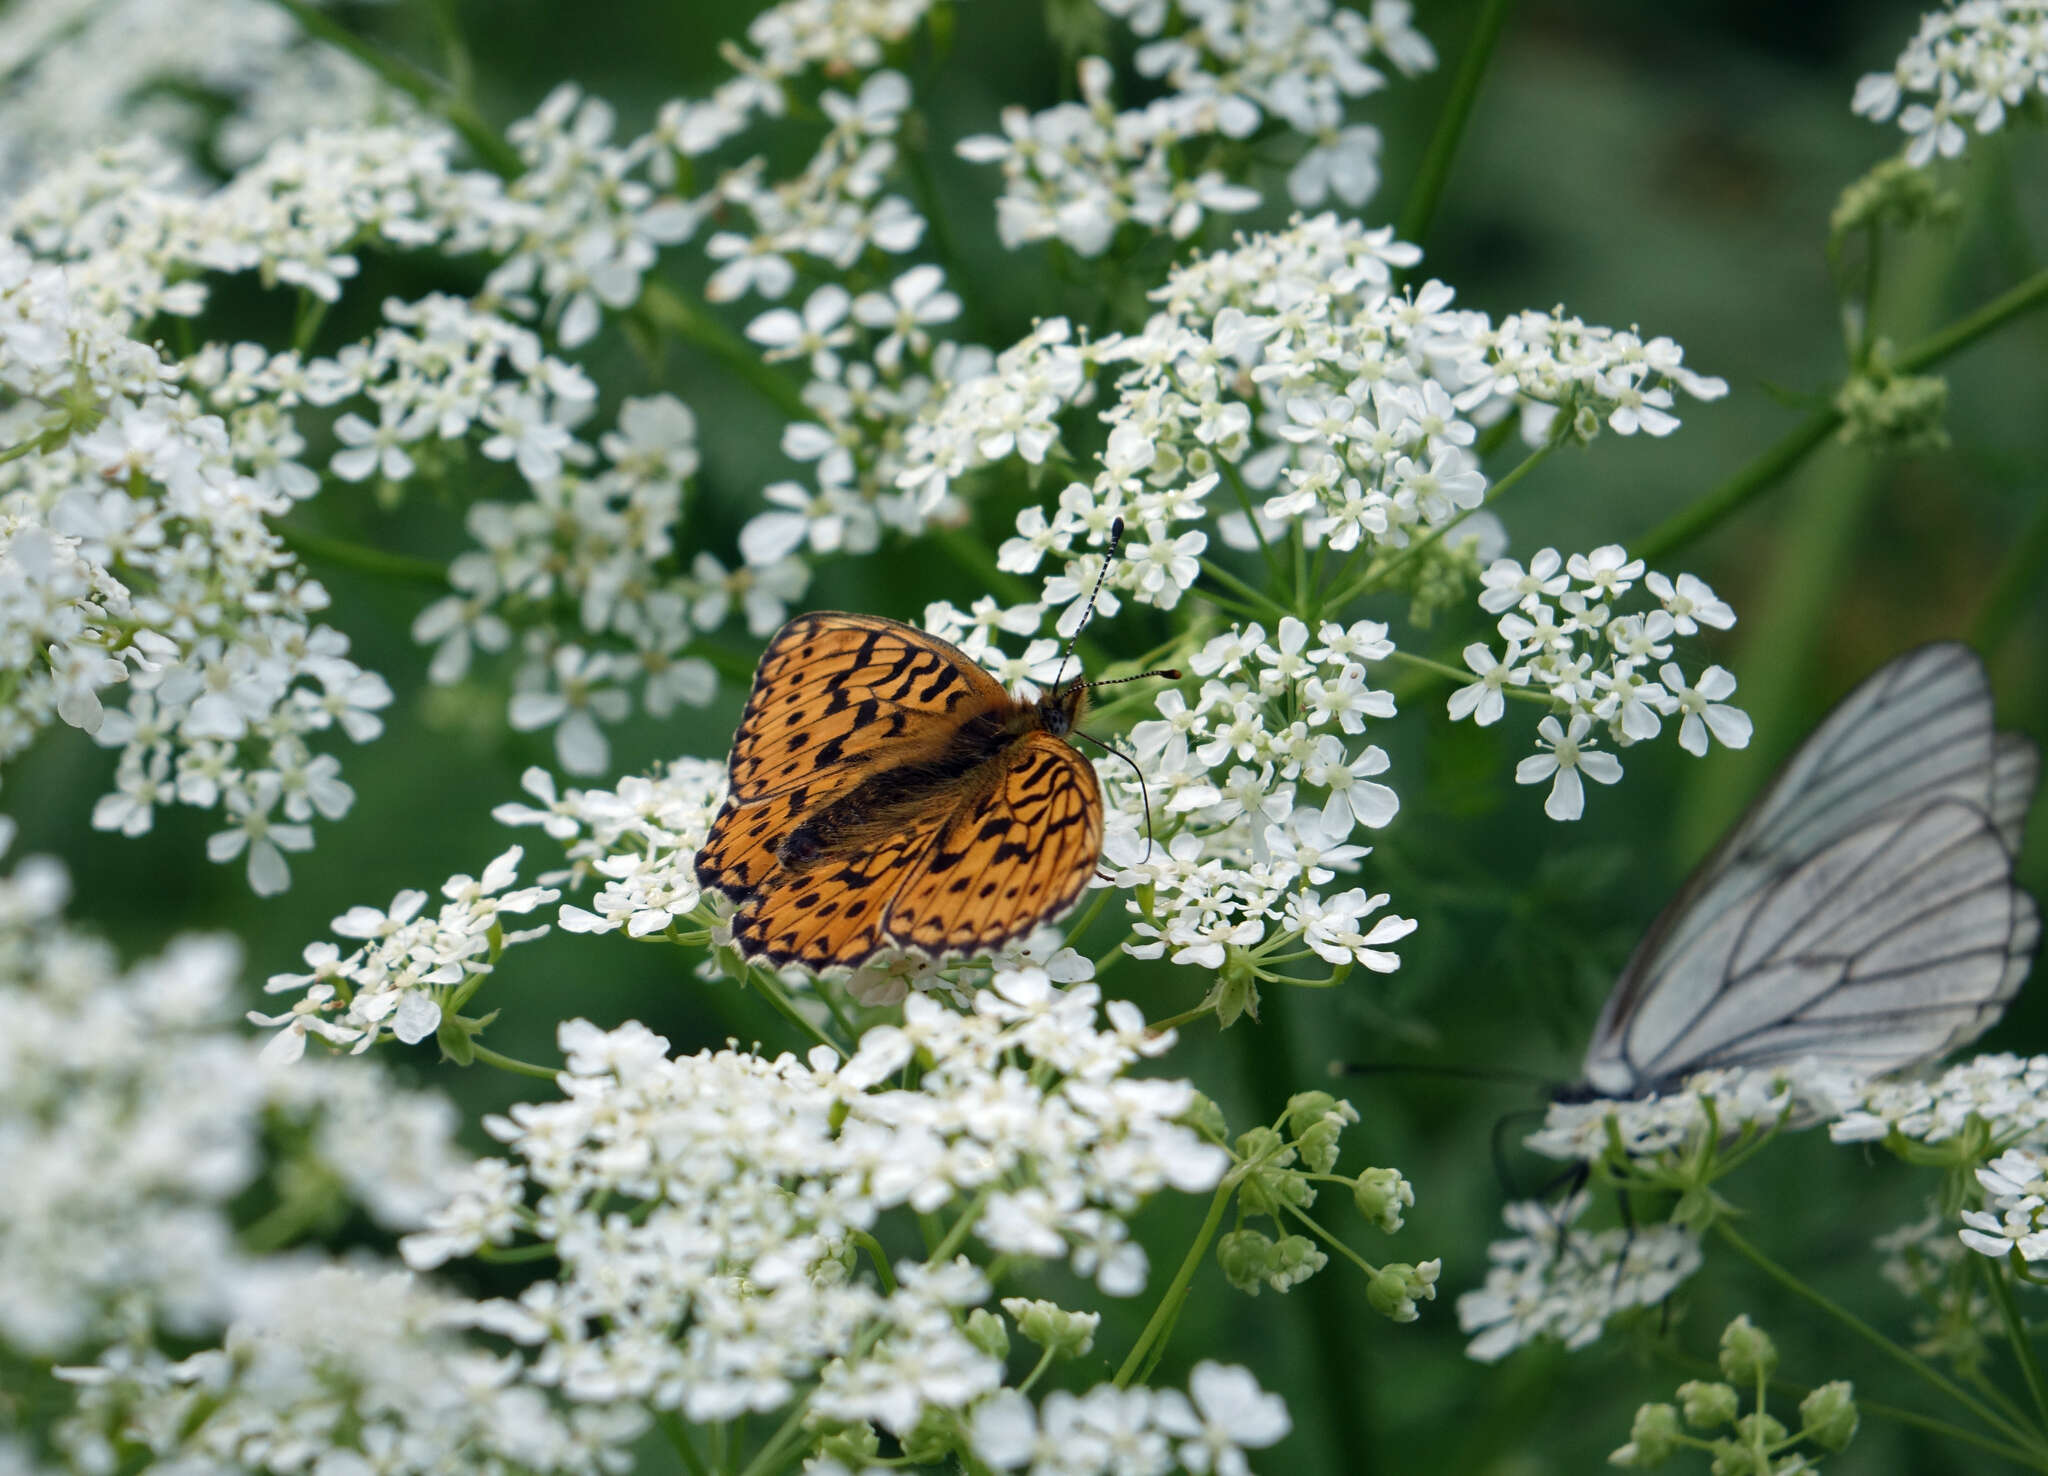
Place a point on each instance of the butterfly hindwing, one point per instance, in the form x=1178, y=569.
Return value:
x=1012, y=856
x=835, y=909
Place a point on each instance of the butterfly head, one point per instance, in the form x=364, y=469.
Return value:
x=1060, y=709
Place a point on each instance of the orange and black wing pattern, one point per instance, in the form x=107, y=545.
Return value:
x=1014, y=855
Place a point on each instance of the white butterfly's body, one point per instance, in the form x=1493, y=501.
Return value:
x=1862, y=913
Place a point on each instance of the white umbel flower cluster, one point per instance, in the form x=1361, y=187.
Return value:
x=1967, y=66
x=1556, y=1281
x=408, y=969
x=710, y=1211
x=1076, y=172
x=1241, y=865
x=1565, y=641
x=1726, y=1103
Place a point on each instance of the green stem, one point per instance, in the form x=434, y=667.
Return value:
x=2022, y=1345
x=2019, y=583
x=771, y=990
x=318, y=548
x=1244, y=500
x=1871, y=1335
x=513, y=1064
x=22, y=448
x=1427, y=192
x=770, y=1455
x=679, y=1440
x=879, y=1256
x=1244, y=591
x=422, y=86
x=1710, y=511
x=668, y=308
x=1963, y=332
x=962, y=1227
x=1177, y=1290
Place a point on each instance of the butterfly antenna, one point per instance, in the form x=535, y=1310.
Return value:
x=1116, y=538
x=1144, y=794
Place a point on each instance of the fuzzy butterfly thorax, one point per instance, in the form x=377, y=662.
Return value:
x=887, y=792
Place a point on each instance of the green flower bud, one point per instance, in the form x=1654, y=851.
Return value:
x=853, y=1446
x=1828, y=1415
x=1394, y=1292
x=936, y=1437
x=1065, y=1334
x=1761, y=1428
x=986, y=1331
x=1707, y=1405
x=1894, y=191
x=1652, y=1439
x=1381, y=1195
x=1747, y=1352
x=1247, y=1258
x=1206, y=1118
x=1894, y=412
x=1318, y=1145
x=1273, y=1183
x=1295, y=1259
x=1732, y=1458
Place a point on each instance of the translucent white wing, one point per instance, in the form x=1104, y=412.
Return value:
x=1863, y=911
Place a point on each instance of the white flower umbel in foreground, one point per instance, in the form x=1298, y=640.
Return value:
x=1041, y=1159
x=134, y=1115
x=408, y=970
x=370, y=1369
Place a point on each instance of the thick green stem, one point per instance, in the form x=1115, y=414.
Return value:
x=1256, y=600
x=422, y=86
x=513, y=1064
x=1715, y=507
x=1876, y=1339
x=1177, y=1289
x=668, y=309
x=771, y=989
x=1710, y=511
x=318, y=548
x=679, y=1441
x=1428, y=190
x=2022, y=1345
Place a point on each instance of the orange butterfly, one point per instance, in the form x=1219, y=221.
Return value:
x=886, y=791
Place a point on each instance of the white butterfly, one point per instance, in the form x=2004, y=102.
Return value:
x=1863, y=912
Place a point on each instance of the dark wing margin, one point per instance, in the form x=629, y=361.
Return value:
x=1863, y=911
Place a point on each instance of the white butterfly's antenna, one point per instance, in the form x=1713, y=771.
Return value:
x=1116, y=538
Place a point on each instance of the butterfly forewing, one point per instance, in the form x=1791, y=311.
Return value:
x=1863, y=911
x=836, y=699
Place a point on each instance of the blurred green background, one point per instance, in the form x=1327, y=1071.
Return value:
x=1670, y=166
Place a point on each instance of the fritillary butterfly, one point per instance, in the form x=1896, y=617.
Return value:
x=887, y=792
